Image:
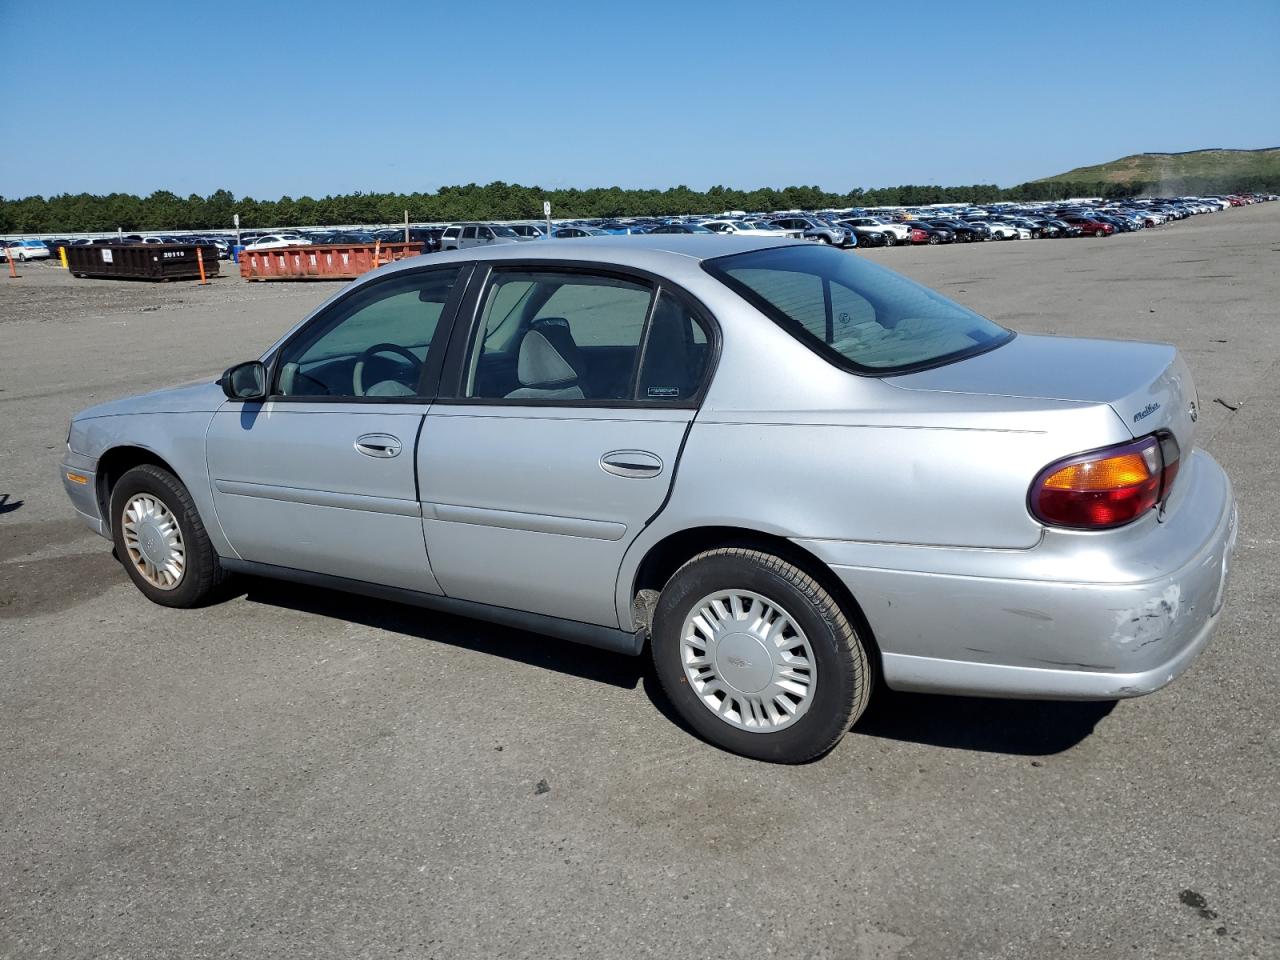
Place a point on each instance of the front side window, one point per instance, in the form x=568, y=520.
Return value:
x=374, y=343
x=468, y=233
x=856, y=314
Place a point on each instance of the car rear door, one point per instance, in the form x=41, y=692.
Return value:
x=321, y=476
x=572, y=392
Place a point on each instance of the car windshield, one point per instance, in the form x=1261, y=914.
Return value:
x=854, y=313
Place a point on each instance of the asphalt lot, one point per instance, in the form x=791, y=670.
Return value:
x=296, y=773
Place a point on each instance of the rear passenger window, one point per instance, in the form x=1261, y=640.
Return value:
x=551, y=336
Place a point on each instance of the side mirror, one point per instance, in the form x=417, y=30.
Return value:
x=245, y=381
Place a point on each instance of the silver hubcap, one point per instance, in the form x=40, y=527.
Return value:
x=748, y=661
x=153, y=541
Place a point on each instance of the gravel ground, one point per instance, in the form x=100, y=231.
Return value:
x=298, y=773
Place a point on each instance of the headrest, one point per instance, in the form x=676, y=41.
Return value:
x=549, y=358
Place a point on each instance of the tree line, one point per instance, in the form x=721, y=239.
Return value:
x=163, y=210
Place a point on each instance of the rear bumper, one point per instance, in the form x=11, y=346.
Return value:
x=1078, y=617
x=83, y=490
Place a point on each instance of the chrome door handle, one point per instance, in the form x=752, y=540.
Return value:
x=380, y=445
x=634, y=464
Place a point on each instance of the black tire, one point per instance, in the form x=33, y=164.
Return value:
x=889, y=240
x=202, y=576
x=934, y=238
x=1099, y=233
x=823, y=238
x=843, y=669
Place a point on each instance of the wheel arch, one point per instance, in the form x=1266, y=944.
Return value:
x=115, y=463
x=664, y=558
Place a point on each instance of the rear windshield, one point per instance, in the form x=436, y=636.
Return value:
x=857, y=315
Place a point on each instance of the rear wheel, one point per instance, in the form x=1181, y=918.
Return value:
x=758, y=657
x=1100, y=233
x=161, y=540
x=933, y=238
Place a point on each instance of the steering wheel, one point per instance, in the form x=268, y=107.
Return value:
x=357, y=373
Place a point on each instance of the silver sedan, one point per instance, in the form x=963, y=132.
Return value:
x=779, y=469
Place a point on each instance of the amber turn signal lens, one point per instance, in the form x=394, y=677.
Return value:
x=1122, y=471
x=77, y=478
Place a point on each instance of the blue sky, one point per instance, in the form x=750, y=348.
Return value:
x=322, y=97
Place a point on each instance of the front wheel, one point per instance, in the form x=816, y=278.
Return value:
x=758, y=657
x=1100, y=233
x=934, y=239
x=160, y=539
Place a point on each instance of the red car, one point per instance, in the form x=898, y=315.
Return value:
x=1091, y=228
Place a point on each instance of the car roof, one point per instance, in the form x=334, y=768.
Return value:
x=656, y=253
x=629, y=250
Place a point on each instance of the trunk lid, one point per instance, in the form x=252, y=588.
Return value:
x=1147, y=384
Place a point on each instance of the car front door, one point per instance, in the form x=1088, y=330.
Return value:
x=571, y=395
x=321, y=475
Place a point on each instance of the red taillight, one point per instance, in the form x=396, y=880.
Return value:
x=1106, y=488
x=917, y=234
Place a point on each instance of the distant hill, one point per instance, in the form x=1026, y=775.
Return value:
x=1154, y=168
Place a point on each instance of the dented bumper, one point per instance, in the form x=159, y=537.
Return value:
x=1080, y=616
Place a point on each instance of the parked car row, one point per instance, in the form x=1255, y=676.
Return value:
x=955, y=223
x=879, y=227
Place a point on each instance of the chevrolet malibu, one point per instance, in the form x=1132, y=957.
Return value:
x=779, y=469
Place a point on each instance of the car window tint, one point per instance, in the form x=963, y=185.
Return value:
x=400, y=313
x=854, y=312
x=552, y=336
x=675, y=352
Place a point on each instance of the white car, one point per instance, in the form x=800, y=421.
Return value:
x=770, y=228
x=900, y=232
x=1007, y=231
x=27, y=250
x=745, y=229
x=277, y=241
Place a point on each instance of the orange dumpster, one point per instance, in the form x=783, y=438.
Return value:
x=322, y=261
